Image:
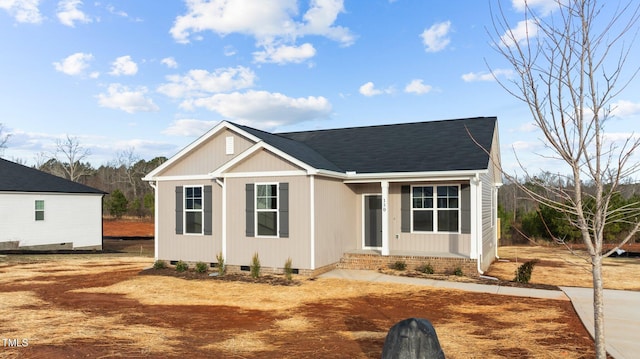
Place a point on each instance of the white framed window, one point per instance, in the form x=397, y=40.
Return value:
x=39, y=210
x=266, y=210
x=193, y=209
x=435, y=208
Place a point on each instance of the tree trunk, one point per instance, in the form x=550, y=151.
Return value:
x=598, y=306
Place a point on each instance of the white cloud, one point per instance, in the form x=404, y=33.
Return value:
x=416, y=86
x=188, y=127
x=75, y=64
x=369, y=89
x=25, y=11
x=264, y=109
x=625, y=108
x=320, y=18
x=170, y=62
x=487, y=76
x=285, y=54
x=436, y=37
x=229, y=50
x=122, y=98
x=198, y=83
x=69, y=12
x=525, y=30
x=544, y=6
x=275, y=25
x=123, y=65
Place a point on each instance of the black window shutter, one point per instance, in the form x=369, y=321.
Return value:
x=250, y=217
x=465, y=208
x=179, y=202
x=405, y=209
x=283, y=210
x=208, y=216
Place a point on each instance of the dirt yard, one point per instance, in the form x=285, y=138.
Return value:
x=100, y=305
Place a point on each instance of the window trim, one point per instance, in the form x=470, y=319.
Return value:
x=435, y=208
x=39, y=210
x=275, y=210
x=185, y=210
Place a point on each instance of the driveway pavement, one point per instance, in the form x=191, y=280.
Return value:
x=622, y=308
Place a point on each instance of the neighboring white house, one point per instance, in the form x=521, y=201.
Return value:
x=40, y=211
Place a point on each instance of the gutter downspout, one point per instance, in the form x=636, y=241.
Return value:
x=154, y=185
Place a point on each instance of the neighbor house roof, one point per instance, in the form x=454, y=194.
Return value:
x=15, y=177
x=448, y=145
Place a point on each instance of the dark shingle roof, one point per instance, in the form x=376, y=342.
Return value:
x=411, y=147
x=18, y=178
x=294, y=148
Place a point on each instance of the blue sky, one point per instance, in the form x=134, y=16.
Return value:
x=153, y=76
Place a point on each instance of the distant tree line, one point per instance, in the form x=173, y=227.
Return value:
x=522, y=219
x=121, y=178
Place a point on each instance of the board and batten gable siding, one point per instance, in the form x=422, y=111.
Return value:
x=209, y=155
x=443, y=244
x=263, y=161
x=273, y=251
x=187, y=247
x=68, y=218
x=336, y=212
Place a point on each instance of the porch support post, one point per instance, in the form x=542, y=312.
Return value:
x=385, y=217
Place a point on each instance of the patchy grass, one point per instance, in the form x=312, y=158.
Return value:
x=557, y=266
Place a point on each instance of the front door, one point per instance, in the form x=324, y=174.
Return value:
x=373, y=221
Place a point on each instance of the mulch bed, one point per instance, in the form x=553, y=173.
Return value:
x=229, y=277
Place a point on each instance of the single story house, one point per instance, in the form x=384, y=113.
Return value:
x=40, y=211
x=354, y=197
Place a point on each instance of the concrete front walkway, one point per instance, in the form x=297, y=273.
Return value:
x=622, y=308
x=621, y=318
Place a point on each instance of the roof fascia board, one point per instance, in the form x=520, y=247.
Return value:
x=152, y=176
x=264, y=174
x=54, y=193
x=412, y=176
x=183, y=178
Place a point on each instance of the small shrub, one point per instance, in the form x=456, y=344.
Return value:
x=255, y=266
x=159, y=264
x=221, y=267
x=288, y=270
x=523, y=273
x=201, y=267
x=457, y=271
x=398, y=265
x=181, y=266
x=425, y=268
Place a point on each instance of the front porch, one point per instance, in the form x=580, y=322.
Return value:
x=442, y=263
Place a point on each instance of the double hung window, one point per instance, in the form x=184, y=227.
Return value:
x=267, y=209
x=193, y=210
x=435, y=208
x=39, y=210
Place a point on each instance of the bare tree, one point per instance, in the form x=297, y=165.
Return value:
x=128, y=171
x=570, y=66
x=69, y=154
x=4, y=138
